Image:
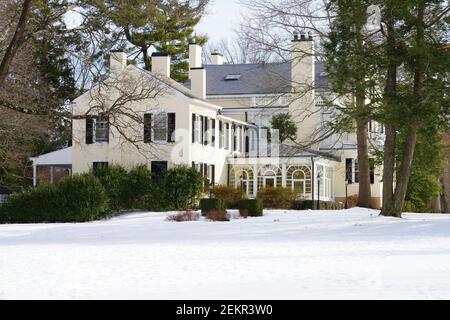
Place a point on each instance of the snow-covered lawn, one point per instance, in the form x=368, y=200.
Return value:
x=283, y=255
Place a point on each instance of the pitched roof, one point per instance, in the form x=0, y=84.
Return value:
x=263, y=78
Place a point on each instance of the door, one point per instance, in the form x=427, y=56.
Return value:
x=270, y=182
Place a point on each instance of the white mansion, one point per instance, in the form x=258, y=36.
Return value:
x=219, y=122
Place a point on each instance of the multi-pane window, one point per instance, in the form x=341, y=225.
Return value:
x=352, y=171
x=99, y=165
x=102, y=129
x=160, y=127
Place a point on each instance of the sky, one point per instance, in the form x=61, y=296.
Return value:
x=223, y=16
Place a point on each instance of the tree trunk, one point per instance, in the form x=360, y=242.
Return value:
x=395, y=209
x=16, y=41
x=364, y=195
x=409, y=145
x=389, y=168
x=391, y=132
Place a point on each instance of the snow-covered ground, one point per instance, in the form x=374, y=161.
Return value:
x=283, y=255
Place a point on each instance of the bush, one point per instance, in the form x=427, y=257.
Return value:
x=182, y=186
x=229, y=194
x=219, y=216
x=312, y=205
x=75, y=199
x=114, y=180
x=184, y=217
x=276, y=198
x=209, y=205
x=139, y=184
x=84, y=198
x=352, y=201
x=251, y=208
x=125, y=190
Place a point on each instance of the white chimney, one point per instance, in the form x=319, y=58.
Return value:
x=198, y=82
x=195, y=57
x=161, y=64
x=217, y=58
x=117, y=62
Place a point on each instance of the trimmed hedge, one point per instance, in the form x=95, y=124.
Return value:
x=312, y=205
x=276, y=198
x=229, y=194
x=212, y=205
x=79, y=198
x=251, y=208
x=126, y=189
x=182, y=188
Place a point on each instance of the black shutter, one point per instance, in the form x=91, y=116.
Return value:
x=205, y=141
x=349, y=170
x=213, y=174
x=202, y=129
x=372, y=171
x=89, y=130
x=193, y=128
x=213, y=135
x=107, y=128
x=171, y=124
x=147, y=128
x=221, y=136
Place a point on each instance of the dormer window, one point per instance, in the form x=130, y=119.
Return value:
x=232, y=77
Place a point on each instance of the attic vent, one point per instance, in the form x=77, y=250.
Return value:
x=232, y=77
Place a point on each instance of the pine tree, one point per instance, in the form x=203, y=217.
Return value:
x=162, y=25
x=420, y=92
x=349, y=55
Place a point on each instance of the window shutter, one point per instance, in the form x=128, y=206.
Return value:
x=107, y=128
x=205, y=135
x=171, y=124
x=89, y=130
x=372, y=171
x=349, y=170
x=193, y=128
x=213, y=174
x=147, y=128
x=213, y=135
x=202, y=129
x=221, y=134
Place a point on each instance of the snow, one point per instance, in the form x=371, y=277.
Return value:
x=353, y=254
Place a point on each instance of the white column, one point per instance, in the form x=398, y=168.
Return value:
x=255, y=180
x=283, y=175
x=34, y=175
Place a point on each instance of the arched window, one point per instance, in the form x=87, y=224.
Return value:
x=298, y=179
x=242, y=177
x=270, y=177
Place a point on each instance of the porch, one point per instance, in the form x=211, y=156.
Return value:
x=52, y=167
x=309, y=174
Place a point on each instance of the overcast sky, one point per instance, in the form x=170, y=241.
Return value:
x=223, y=16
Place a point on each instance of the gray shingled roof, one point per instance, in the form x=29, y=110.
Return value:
x=264, y=78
